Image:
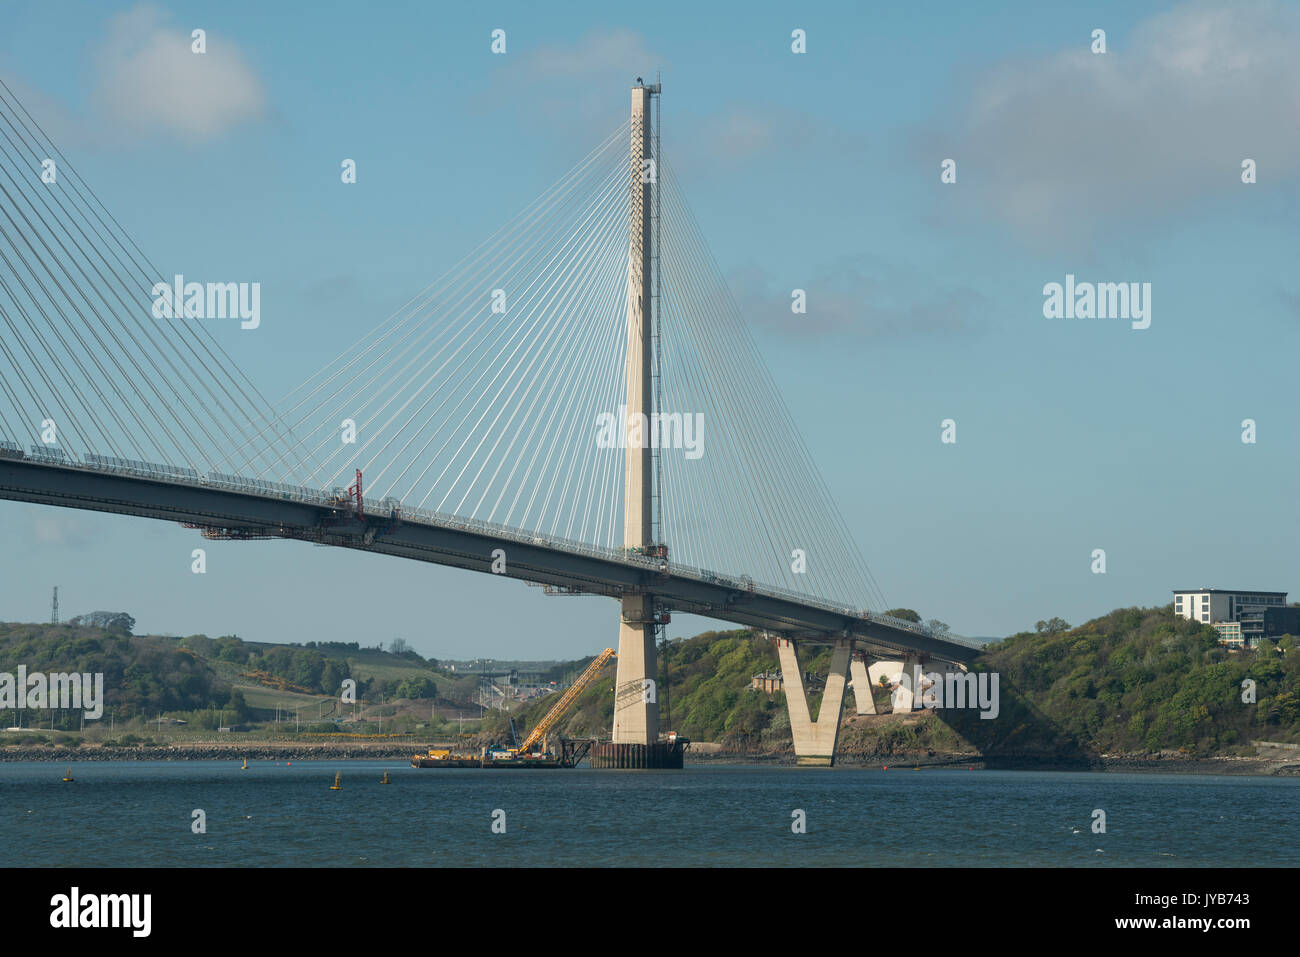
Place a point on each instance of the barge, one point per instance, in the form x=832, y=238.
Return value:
x=571, y=753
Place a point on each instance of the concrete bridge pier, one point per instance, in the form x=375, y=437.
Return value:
x=636, y=701
x=814, y=741
x=907, y=696
x=861, y=675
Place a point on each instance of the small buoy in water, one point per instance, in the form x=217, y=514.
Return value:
x=336, y=786
x=972, y=768
x=385, y=780
x=245, y=767
x=67, y=776
x=885, y=768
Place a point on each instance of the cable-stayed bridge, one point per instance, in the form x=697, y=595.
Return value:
x=577, y=404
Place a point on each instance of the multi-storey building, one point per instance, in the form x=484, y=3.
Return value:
x=1240, y=617
x=1222, y=604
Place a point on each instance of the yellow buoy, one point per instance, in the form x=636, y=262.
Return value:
x=385, y=780
x=336, y=786
x=67, y=776
x=245, y=767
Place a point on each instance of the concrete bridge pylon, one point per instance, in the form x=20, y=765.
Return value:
x=636, y=707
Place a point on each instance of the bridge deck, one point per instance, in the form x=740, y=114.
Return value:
x=259, y=509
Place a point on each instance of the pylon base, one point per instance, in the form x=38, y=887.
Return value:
x=660, y=755
x=815, y=760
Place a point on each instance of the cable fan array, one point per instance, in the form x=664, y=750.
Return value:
x=477, y=398
x=85, y=367
x=490, y=395
x=755, y=501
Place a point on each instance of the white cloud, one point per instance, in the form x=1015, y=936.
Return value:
x=743, y=132
x=859, y=297
x=718, y=142
x=600, y=53
x=149, y=80
x=1164, y=119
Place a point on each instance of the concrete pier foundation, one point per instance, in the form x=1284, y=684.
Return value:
x=661, y=754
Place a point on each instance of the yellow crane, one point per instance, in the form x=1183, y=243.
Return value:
x=567, y=699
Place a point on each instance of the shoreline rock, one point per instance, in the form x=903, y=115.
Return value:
x=1160, y=763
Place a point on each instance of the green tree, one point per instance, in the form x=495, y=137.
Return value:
x=331, y=679
x=238, y=705
x=417, y=687
x=118, y=621
x=906, y=614
x=230, y=648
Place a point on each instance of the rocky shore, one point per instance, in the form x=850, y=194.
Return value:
x=1167, y=762
x=1268, y=762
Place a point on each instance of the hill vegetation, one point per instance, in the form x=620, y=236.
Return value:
x=203, y=683
x=1134, y=680
x=1138, y=679
x=143, y=675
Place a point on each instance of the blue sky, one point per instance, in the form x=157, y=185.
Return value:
x=817, y=171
